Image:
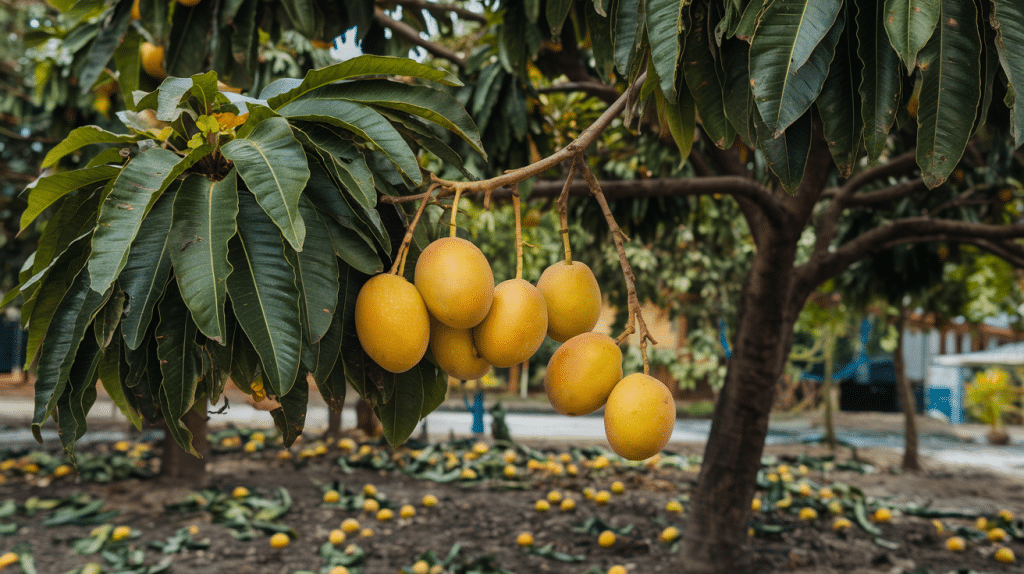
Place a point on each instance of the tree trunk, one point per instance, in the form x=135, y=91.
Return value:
x=178, y=467
x=716, y=531
x=333, y=421
x=911, y=461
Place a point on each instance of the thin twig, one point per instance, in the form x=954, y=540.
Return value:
x=398, y=267
x=636, y=320
x=434, y=7
x=413, y=35
x=455, y=212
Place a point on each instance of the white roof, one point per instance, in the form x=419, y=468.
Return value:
x=1012, y=354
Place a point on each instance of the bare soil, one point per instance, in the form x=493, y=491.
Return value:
x=485, y=516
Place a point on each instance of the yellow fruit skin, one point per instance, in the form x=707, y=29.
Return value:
x=582, y=373
x=515, y=326
x=455, y=352
x=136, y=13
x=639, y=417
x=392, y=322
x=456, y=282
x=573, y=298
x=153, y=60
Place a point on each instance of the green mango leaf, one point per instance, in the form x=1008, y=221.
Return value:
x=909, y=25
x=361, y=66
x=679, y=117
x=78, y=397
x=263, y=295
x=188, y=40
x=739, y=101
x=329, y=374
x=665, y=24
x=839, y=105
x=361, y=120
x=109, y=372
x=81, y=137
x=793, y=44
x=354, y=248
x=317, y=271
x=60, y=344
x=880, y=84
x=45, y=191
x=1008, y=21
x=557, y=11
x=600, y=28
x=203, y=222
x=414, y=391
x=129, y=66
x=273, y=166
x=950, y=91
x=343, y=160
x=112, y=30
x=303, y=15
x=703, y=74
x=144, y=277
x=786, y=154
x=422, y=101
x=109, y=318
x=628, y=19
x=181, y=360
x=290, y=417
x=135, y=190
x=353, y=357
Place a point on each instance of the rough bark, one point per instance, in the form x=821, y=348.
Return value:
x=911, y=461
x=180, y=468
x=720, y=510
x=334, y=420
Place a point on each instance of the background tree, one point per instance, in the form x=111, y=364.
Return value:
x=801, y=105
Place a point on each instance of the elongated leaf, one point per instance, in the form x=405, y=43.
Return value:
x=360, y=66
x=81, y=137
x=626, y=27
x=353, y=357
x=64, y=335
x=43, y=192
x=343, y=160
x=329, y=373
x=181, y=361
x=138, y=185
x=354, y=248
x=664, y=26
x=1008, y=20
x=103, y=47
x=360, y=120
x=203, y=222
x=909, y=24
x=52, y=288
x=423, y=101
x=303, y=15
x=950, y=91
x=701, y=70
x=264, y=296
x=786, y=154
x=880, y=84
x=107, y=321
x=78, y=397
x=317, y=271
x=188, y=41
x=789, y=57
x=145, y=275
x=129, y=66
x=290, y=417
x=600, y=29
x=557, y=11
x=414, y=392
x=273, y=166
x=739, y=102
x=839, y=105
x=679, y=117
x=175, y=427
x=109, y=372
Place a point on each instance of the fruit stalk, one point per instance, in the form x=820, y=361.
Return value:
x=563, y=211
x=398, y=267
x=455, y=213
x=636, y=320
x=519, y=231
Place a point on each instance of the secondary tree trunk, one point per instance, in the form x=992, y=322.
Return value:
x=828, y=387
x=180, y=468
x=716, y=531
x=911, y=461
x=334, y=419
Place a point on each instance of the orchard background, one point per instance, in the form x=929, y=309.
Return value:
x=757, y=155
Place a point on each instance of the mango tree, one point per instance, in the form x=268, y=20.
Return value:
x=795, y=106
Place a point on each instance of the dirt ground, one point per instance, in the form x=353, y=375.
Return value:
x=482, y=518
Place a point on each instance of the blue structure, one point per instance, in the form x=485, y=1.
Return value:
x=478, y=410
